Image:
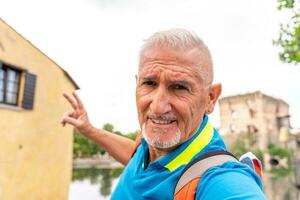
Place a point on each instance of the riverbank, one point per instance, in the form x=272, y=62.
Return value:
x=103, y=162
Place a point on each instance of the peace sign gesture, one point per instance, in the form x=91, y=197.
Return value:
x=78, y=117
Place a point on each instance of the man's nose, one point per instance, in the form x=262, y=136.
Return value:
x=160, y=103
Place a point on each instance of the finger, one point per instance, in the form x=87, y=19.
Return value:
x=67, y=114
x=63, y=123
x=70, y=114
x=70, y=100
x=70, y=120
x=80, y=104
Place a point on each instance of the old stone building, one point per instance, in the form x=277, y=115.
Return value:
x=260, y=118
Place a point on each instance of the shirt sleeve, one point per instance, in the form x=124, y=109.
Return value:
x=230, y=181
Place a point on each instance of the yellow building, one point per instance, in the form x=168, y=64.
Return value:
x=35, y=151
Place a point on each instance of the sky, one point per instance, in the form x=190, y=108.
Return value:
x=97, y=42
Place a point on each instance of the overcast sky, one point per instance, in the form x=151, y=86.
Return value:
x=97, y=42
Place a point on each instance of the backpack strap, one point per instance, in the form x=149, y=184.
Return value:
x=188, y=181
x=188, y=191
x=137, y=143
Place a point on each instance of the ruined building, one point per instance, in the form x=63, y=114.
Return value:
x=260, y=118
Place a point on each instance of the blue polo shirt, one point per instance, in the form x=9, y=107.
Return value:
x=156, y=180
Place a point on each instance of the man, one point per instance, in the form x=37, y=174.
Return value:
x=174, y=94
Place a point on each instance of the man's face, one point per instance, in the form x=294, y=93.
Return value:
x=171, y=95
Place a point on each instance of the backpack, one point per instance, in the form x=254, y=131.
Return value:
x=190, y=177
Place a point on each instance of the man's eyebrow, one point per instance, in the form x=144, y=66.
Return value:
x=182, y=82
x=148, y=78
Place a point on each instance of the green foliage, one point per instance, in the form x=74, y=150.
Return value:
x=259, y=154
x=108, y=127
x=289, y=36
x=274, y=150
x=278, y=151
x=238, y=148
x=104, y=176
x=285, y=4
x=281, y=172
x=131, y=136
x=83, y=147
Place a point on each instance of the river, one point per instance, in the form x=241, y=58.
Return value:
x=92, y=184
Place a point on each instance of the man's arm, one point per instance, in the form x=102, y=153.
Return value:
x=118, y=147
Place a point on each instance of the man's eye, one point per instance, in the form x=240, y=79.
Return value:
x=149, y=83
x=179, y=87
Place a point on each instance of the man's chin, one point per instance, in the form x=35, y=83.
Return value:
x=161, y=138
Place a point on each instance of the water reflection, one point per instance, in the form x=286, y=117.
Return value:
x=102, y=178
x=90, y=184
x=280, y=187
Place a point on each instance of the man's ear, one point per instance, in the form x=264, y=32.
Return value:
x=214, y=93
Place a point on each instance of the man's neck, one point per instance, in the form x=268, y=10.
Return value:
x=155, y=153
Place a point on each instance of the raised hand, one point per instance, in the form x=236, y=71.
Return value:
x=78, y=117
x=117, y=146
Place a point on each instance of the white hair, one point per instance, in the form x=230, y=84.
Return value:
x=175, y=38
x=180, y=39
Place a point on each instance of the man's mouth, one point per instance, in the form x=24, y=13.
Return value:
x=160, y=121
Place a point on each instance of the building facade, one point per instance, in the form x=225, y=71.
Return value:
x=261, y=118
x=35, y=151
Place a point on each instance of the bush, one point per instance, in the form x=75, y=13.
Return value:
x=83, y=147
x=238, y=148
x=278, y=151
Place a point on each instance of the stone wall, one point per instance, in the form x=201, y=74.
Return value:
x=256, y=114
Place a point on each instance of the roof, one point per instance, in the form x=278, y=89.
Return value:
x=65, y=72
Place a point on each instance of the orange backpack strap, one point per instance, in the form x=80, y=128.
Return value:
x=137, y=143
x=188, y=191
x=189, y=179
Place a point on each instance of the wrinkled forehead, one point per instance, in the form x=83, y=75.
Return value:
x=168, y=55
x=193, y=60
x=170, y=71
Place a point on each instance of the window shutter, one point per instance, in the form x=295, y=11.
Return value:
x=29, y=90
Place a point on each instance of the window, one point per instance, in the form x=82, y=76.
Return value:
x=283, y=121
x=9, y=84
x=10, y=77
x=232, y=128
x=252, y=113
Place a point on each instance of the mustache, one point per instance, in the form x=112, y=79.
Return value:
x=164, y=116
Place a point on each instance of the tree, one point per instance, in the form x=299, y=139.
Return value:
x=83, y=147
x=289, y=36
x=109, y=127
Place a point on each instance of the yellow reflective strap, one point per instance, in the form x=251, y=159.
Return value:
x=196, y=146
